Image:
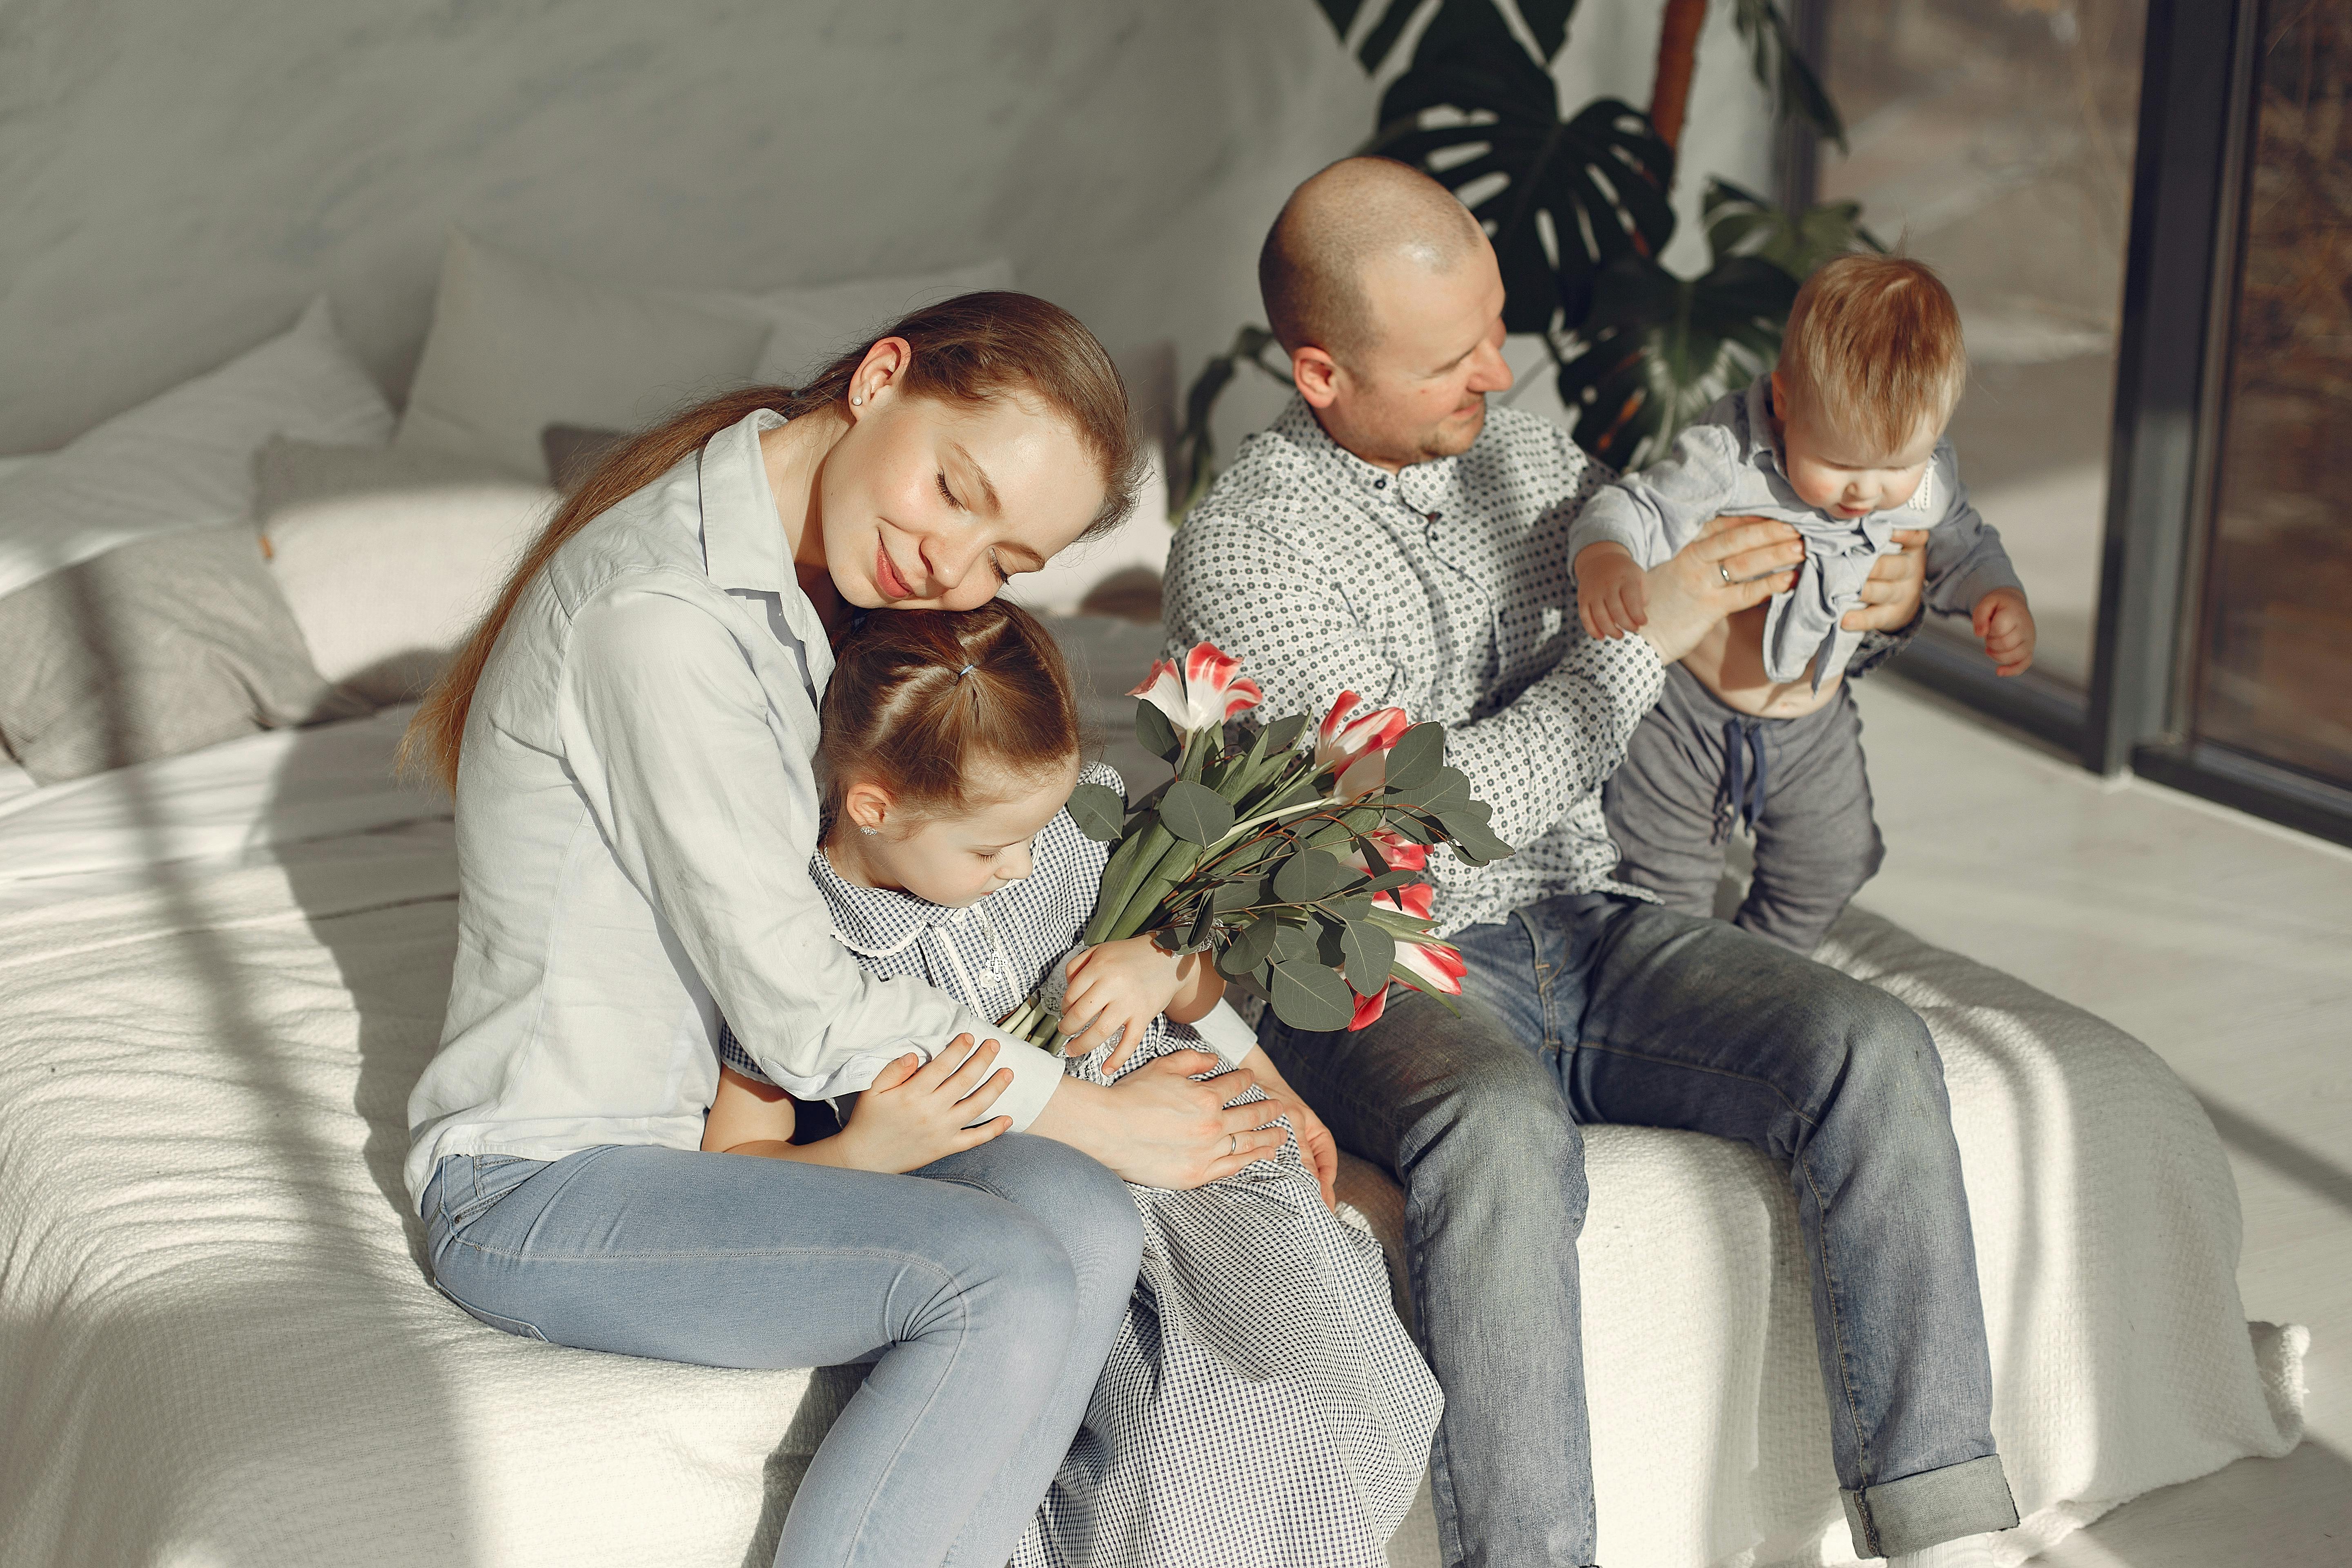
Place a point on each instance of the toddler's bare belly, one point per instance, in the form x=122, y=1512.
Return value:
x=1729, y=662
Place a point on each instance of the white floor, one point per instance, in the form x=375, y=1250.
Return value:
x=2226, y=944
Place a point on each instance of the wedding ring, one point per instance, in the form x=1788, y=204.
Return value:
x=1723, y=571
x=1233, y=1142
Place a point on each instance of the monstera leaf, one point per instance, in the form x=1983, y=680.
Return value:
x=1773, y=55
x=1547, y=23
x=1741, y=223
x=1657, y=349
x=1599, y=181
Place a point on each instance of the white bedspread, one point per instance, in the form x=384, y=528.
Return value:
x=217, y=1345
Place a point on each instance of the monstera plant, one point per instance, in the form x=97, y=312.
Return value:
x=1578, y=207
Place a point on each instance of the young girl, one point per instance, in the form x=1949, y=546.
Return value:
x=1262, y=1404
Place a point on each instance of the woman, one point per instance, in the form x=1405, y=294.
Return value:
x=629, y=736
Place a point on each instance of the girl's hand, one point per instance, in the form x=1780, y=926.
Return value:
x=2002, y=618
x=1119, y=986
x=916, y=1112
x=1613, y=593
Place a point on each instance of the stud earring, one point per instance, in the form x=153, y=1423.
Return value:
x=855, y=400
x=862, y=828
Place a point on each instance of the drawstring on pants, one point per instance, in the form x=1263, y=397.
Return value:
x=1741, y=801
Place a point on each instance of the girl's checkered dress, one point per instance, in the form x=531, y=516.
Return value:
x=1262, y=1406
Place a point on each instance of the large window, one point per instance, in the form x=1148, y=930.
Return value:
x=2273, y=675
x=2144, y=208
x=1993, y=139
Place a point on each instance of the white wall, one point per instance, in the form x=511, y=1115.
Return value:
x=176, y=176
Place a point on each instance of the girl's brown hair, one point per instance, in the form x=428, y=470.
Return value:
x=922, y=700
x=968, y=350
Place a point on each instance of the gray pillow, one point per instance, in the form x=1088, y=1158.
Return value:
x=287, y=473
x=156, y=647
x=572, y=452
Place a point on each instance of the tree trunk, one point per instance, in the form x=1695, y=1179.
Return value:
x=1678, y=59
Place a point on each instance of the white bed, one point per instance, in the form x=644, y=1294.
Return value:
x=219, y=975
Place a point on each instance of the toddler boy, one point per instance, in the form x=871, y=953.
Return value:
x=1844, y=440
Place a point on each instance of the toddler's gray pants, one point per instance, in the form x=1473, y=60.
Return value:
x=1698, y=770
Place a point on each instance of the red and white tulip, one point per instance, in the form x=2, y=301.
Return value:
x=1370, y=1008
x=1418, y=899
x=1400, y=853
x=1206, y=692
x=1433, y=965
x=1357, y=748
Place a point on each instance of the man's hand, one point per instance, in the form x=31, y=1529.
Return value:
x=1314, y=1140
x=1734, y=562
x=1119, y=986
x=1612, y=593
x=2002, y=618
x=1891, y=594
x=916, y=1112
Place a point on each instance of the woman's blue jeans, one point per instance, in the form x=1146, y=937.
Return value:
x=985, y=1290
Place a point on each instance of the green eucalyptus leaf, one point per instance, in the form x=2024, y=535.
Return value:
x=1307, y=876
x=1282, y=733
x=1196, y=813
x=1099, y=811
x=1295, y=942
x=1388, y=879
x=1155, y=734
x=1417, y=755
x=1330, y=934
x=1204, y=924
x=1250, y=947
x=1374, y=861
x=1369, y=951
x=1245, y=892
x=1309, y=996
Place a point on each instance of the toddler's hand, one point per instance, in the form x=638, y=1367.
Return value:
x=2002, y=618
x=1612, y=592
x=1119, y=986
x=916, y=1112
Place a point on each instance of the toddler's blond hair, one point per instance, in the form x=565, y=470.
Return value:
x=1874, y=350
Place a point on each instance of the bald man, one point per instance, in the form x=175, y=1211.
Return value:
x=1392, y=536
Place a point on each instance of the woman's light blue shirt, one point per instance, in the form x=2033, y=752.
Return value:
x=636, y=807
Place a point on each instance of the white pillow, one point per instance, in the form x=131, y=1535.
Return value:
x=812, y=325
x=385, y=586
x=185, y=458
x=517, y=346
x=1142, y=541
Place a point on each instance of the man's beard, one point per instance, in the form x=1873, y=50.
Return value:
x=1450, y=439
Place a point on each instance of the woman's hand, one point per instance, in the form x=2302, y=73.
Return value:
x=1158, y=1128
x=1891, y=594
x=1735, y=561
x=1121, y=985
x=1314, y=1140
x=916, y=1112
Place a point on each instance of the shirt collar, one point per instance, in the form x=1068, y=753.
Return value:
x=742, y=542
x=1758, y=405
x=876, y=922
x=1298, y=424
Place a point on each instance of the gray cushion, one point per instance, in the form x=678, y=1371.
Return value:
x=572, y=452
x=287, y=473
x=156, y=647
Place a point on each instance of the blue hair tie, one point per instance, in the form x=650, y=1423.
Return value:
x=967, y=669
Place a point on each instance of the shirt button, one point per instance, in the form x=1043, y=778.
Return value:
x=1436, y=517
x=1380, y=484
x=988, y=977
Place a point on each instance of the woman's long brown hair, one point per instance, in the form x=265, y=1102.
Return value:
x=967, y=350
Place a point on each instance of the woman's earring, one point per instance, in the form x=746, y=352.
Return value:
x=862, y=828
x=855, y=399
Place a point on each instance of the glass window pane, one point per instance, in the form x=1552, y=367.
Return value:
x=2275, y=671
x=1993, y=139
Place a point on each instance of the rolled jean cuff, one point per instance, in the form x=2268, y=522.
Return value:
x=1930, y=1507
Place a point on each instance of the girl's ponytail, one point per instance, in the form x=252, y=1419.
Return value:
x=920, y=701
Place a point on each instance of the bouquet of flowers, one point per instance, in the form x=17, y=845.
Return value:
x=1299, y=868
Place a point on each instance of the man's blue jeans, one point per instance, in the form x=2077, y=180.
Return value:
x=985, y=1288
x=1593, y=1008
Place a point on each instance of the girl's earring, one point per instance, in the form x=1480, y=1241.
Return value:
x=862, y=828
